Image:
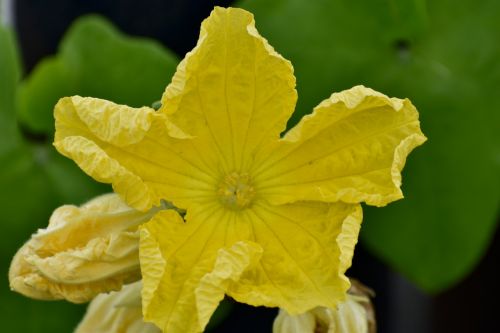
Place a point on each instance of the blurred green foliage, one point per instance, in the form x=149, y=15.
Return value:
x=95, y=60
x=443, y=55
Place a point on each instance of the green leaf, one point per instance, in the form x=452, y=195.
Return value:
x=9, y=77
x=443, y=55
x=95, y=60
x=49, y=81
x=81, y=188
x=27, y=198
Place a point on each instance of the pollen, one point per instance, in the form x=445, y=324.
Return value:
x=236, y=191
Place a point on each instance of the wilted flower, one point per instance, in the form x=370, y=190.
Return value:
x=84, y=251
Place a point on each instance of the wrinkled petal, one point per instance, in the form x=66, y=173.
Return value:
x=116, y=312
x=307, y=247
x=229, y=265
x=84, y=251
x=186, y=268
x=131, y=149
x=352, y=148
x=233, y=90
x=292, y=256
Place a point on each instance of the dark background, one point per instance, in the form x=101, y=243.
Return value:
x=470, y=306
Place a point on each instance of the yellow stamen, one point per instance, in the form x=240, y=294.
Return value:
x=236, y=191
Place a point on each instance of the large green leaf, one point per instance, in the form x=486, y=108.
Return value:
x=95, y=60
x=443, y=55
x=9, y=77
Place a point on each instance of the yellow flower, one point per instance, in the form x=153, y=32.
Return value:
x=84, y=251
x=354, y=315
x=269, y=220
x=117, y=312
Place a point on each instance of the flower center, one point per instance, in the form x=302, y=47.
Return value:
x=236, y=191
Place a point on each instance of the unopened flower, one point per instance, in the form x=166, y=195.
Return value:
x=84, y=251
x=354, y=315
x=116, y=312
x=270, y=220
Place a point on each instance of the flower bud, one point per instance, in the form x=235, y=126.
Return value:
x=84, y=251
x=116, y=312
x=354, y=315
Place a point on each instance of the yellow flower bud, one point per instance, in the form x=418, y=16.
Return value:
x=84, y=251
x=354, y=315
x=117, y=312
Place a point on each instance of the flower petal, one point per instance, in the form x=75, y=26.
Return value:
x=352, y=148
x=307, y=247
x=232, y=89
x=117, y=312
x=186, y=268
x=84, y=251
x=132, y=149
x=230, y=264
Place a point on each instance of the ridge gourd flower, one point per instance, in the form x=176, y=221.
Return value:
x=270, y=220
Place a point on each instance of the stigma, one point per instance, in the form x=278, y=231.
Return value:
x=236, y=191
